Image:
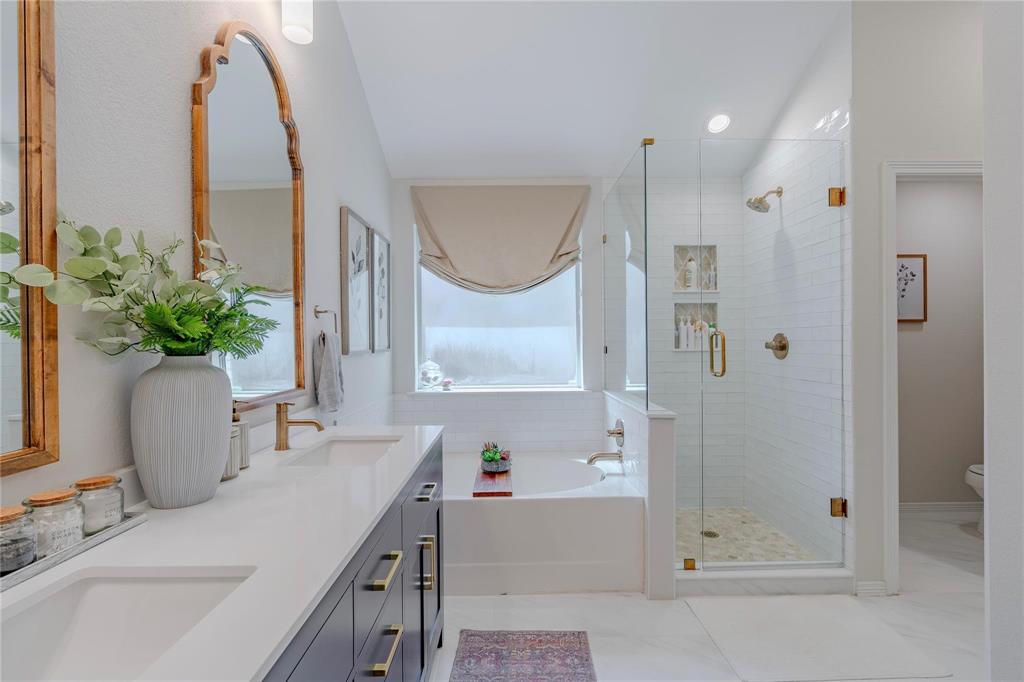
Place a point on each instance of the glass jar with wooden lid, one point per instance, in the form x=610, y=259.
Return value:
x=17, y=539
x=103, y=502
x=58, y=518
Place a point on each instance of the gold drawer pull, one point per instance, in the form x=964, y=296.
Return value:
x=429, y=497
x=429, y=542
x=381, y=669
x=382, y=585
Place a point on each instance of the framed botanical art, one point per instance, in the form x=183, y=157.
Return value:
x=912, y=287
x=355, y=283
x=380, y=283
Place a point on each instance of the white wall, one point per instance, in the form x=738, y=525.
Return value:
x=940, y=361
x=1004, y=337
x=916, y=96
x=404, y=271
x=124, y=73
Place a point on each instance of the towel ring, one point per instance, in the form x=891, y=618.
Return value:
x=318, y=311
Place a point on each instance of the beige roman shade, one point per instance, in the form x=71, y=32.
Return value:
x=499, y=239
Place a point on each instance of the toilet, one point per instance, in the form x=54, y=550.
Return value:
x=975, y=477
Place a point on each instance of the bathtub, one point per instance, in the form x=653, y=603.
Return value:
x=569, y=527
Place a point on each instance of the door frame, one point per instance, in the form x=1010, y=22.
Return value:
x=892, y=171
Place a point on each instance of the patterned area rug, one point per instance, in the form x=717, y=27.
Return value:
x=523, y=656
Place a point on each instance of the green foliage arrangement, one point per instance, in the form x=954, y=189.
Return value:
x=146, y=306
x=10, y=306
x=492, y=453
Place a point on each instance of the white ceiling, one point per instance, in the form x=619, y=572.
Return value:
x=550, y=89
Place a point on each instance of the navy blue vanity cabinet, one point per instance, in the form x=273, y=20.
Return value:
x=382, y=617
x=383, y=655
x=423, y=585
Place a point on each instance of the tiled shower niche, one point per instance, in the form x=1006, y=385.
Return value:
x=705, y=258
x=697, y=316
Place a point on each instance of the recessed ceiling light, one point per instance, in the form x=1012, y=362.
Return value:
x=297, y=21
x=718, y=123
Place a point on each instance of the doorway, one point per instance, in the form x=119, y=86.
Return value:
x=933, y=373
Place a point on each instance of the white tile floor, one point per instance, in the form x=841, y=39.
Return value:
x=941, y=610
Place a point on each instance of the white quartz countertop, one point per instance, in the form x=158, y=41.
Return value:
x=291, y=529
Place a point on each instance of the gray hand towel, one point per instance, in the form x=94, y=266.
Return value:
x=327, y=379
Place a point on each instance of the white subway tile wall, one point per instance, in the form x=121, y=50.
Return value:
x=674, y=211
x=794, y=284
x=562, y=421
x=635, y=450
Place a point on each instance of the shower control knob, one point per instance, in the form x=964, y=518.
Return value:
x=779, y=345
x=618, y=432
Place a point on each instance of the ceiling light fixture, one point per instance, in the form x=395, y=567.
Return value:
x=718, y=123
x=297, y=21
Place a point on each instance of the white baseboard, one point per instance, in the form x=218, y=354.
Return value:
x=764, y=581
x=928, y=507
x=871, y=588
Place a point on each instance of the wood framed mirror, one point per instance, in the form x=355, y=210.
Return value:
x=28, y=334
x=248, y=197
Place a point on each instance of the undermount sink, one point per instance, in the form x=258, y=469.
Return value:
x=110, y=624
x=353, y=452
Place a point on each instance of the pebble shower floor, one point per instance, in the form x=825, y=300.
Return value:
x=741, y=536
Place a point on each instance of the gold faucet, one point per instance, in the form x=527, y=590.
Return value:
x=616, y=456
x=283, y=422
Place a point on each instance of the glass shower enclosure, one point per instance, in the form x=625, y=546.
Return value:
x=725, y=278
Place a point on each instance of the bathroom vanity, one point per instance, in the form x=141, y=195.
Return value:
x=322, y=562
x=383, y=616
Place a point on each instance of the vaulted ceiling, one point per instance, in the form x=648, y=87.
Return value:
x=554, y=89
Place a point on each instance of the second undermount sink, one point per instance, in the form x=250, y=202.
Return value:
x=346, y=452
x=110, y=624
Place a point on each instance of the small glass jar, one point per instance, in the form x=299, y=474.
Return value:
x=17, y=539
x=103, y=502
x=58, y=518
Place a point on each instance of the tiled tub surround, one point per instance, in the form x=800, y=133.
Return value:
x=288, y=531
x=521, y=421
x=563, y=530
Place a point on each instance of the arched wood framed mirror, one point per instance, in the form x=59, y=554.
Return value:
x=247, y=194
x=28, y=217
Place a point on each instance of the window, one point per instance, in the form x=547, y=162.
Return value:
x=524, y=339
x=272, y=369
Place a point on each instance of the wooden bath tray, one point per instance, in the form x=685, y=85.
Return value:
x=492, y=485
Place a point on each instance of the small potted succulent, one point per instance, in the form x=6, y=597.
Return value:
x=494, y=460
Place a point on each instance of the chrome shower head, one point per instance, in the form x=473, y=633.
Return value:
x=760, y=204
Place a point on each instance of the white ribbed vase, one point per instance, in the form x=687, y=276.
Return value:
x=181, y=430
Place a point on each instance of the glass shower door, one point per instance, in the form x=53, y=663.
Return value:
x=770, y=277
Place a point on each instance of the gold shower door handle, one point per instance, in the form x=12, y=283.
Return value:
x=712, y=347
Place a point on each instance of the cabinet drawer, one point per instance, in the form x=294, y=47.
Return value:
x=424, y=497
x=331, y=655
x=382, y=656
x=381, y=571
